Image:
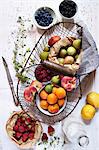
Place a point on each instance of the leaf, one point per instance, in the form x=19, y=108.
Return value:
x=22, y=78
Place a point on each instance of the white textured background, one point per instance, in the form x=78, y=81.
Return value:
x=9, y=10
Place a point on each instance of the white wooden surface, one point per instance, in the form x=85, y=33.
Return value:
x=9, y=9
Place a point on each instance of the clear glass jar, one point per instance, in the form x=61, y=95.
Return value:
x=75, y=133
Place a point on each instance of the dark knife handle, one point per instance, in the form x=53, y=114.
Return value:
x=15, y=99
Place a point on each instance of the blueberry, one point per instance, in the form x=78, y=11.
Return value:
x=43, y=17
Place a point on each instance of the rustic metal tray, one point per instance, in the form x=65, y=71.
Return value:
x=89, y=63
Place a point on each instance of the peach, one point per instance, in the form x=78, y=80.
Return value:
x=52, y=98
x=36, y=84
x=61, y=102
x=44, y=104
x=53, y=108
x=60, y=93
x=43, y=95
x=68, y=83
x=29, y=93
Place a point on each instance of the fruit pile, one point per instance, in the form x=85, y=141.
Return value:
x=62, y=51
x=43, y=17
x=88, y=111
x=43, y=74
x=52, y=98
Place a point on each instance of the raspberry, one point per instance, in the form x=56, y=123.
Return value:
x=21, y=129
x=25, y=137
x=31, y=136
x=17, y=135
x=15, y=128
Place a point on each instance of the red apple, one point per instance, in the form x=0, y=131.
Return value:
x=53, y=40
x=68, y=83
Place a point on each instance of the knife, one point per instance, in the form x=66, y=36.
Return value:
x=10, y=81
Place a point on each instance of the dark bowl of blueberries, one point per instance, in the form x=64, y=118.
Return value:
x=44, y=17
x=68, y=9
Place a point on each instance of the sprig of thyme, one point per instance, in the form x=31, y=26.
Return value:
x=21, y=52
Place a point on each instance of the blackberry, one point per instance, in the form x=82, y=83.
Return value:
x=68, y=8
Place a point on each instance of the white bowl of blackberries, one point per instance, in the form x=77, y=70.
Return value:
x=68, y=9
x=44, y=17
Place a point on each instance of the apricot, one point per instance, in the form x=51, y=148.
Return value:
x=60, y=93
x=44, y=104
x=52, y=98
x=54, y=90
x=43, y=95
x=61, y=102
x=53, y=108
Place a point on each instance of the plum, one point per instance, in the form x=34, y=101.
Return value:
x=53, y=40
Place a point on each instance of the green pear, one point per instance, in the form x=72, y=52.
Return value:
x=77, y=43
x=46, y=48
x=71, y=51
x=61, y=60
x=55, y=79
x=63, y=53
x=44, y=55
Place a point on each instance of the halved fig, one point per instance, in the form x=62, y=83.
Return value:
x=68, y=83
x=29, y=93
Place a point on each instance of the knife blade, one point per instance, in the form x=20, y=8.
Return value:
x=10, y=81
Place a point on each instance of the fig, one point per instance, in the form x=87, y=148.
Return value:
x=44, y=55
x=55, y=79
x=48, y=88
x=71, y=51
x=77, y=43
x=68, y=60
x=61, y=60
x=63, y=53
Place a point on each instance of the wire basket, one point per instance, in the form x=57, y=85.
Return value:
x=62, y=29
